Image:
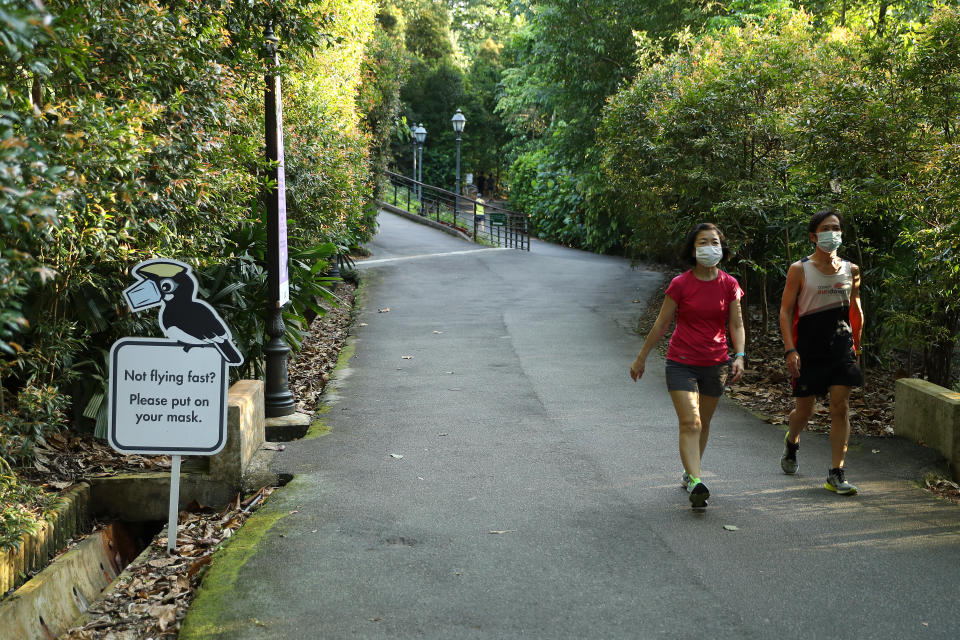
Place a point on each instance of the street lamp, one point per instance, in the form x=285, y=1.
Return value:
x=278, y=399
x=413, y=139
x=458, y=121
x=420, y=135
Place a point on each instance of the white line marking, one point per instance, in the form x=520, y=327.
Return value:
x=361, y=263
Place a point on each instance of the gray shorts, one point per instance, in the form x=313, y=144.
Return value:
x=707, y=381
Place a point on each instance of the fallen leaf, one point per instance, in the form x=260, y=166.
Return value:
x=164, y=613
x=162, y=562
x=384, y=310
x=730, y=527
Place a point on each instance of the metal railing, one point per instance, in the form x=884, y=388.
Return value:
x=485, y=223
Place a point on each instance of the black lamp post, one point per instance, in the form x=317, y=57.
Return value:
x=413, y=139
x=458, y=121
x=277, y=397
x=420, y=135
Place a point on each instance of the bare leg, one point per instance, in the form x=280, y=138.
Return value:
x=708, y=405
x=687, y=405
x=839, y=423
x=800, y=416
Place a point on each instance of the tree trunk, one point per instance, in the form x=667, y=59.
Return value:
x=882, y=17
x=940, y=355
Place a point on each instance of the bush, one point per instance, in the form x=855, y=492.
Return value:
x=39, y=412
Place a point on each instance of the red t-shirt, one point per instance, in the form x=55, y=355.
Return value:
x=700, y=338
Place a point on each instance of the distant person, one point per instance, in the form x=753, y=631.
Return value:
x=705, y=301
x=821, y=321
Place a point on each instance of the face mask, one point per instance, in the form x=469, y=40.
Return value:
x=829, y=241
x=709, y=256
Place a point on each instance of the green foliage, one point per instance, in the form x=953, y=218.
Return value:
x=39, y=412
x=130, y=130
x=757, y=126
x=22, y=508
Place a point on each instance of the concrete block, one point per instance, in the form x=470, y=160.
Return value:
x=929, y=414
x=287, y=428
x=145, y=497
x=46, y=605
x=245, y=433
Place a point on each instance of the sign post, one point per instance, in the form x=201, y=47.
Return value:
x=168, y=396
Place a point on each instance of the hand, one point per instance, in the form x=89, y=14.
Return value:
x=736, y=369
x=793, y=364
x=637, y=368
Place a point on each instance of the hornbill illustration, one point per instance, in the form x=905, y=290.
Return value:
x=191, y=322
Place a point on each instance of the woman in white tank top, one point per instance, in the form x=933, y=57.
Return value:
x=821, y=321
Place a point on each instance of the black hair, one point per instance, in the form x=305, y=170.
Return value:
x=688, y=244
x=820, y=216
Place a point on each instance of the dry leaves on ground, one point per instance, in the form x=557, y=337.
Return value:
x=151, y=598
x=309, y=371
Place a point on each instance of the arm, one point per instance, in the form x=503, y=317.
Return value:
x=739, y=338
x=667, y=311
x=856, y=310
x=787, y=305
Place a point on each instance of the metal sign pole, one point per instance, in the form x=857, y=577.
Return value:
x=174, y=504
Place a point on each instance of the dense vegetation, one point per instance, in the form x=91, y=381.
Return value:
x=631, y=121
x=131, y=129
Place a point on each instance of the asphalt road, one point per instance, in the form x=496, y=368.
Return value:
x=492, y=472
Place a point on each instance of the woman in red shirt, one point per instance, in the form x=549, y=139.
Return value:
x=705, y=301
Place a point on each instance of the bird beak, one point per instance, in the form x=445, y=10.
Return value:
x=142, y=295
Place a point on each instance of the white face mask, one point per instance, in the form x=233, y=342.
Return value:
x=709, y=256
x=829, y=241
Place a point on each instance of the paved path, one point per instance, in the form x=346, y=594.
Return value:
x=538, y=495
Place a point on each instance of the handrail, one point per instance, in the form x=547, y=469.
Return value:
x=487, y=223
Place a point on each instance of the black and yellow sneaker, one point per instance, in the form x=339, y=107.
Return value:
x=838, y=484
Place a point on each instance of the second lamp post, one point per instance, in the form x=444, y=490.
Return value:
x=420, y=135
x=458, y=121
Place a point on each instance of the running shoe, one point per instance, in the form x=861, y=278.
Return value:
x=684, y=479
x=698, y=493
x=837, y=483
x=788, y=461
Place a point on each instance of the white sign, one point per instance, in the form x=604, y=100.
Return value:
x=165, y=399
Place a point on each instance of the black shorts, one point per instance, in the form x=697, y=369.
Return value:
x=707, y=381
x=817, y=376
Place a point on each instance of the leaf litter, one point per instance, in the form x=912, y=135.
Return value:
x=152, y=595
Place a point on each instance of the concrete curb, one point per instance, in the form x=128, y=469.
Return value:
x=72, y=516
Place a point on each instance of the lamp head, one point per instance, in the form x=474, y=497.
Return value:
x=420, y=133
x=458, y=121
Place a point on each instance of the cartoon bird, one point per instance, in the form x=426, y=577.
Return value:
x=191, y=322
